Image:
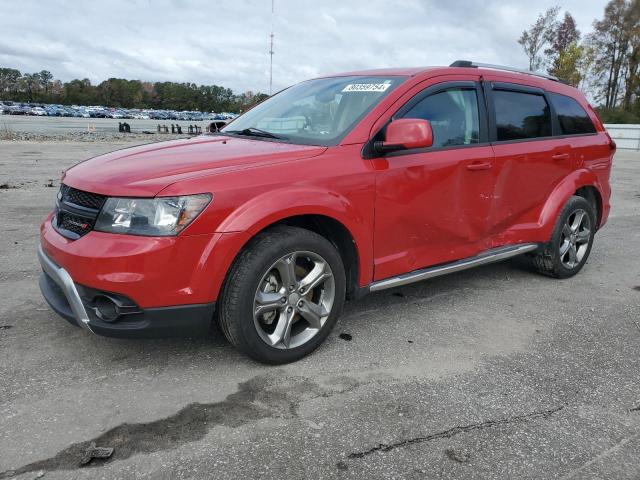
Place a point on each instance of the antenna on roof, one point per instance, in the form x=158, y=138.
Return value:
x=271, y=51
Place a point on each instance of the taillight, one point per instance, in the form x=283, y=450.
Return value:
x=612, y=143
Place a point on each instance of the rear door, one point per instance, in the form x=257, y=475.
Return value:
x=529, y=160
x=432, y=204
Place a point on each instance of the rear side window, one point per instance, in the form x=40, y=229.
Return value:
x=572, y=117
x=453, y=115
x=521, y=115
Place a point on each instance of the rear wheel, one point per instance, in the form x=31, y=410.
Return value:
x=571, y=242
x=283, y=295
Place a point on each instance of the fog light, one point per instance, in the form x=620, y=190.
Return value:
x=106, y=308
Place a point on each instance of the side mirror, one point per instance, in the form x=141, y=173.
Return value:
x=406, y=133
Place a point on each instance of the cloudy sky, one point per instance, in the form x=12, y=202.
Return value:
x=227, y=42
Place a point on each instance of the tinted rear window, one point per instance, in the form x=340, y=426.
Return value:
x=521, y=115
x=572, y=117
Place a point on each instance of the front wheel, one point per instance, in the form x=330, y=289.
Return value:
x=571, y=242
x=283, y=295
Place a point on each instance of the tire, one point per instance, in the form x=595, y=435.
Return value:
x=568, y=250
x=260, y=280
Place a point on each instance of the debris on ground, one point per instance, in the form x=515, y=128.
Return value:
x=39, y=474
x=345, y=336
x=49, y=183
x=93, y=451
x=456, y=456
x=313, y=424
x=5, y=327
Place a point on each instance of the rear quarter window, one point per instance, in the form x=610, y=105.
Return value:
x=521, y=115
x=573, y=119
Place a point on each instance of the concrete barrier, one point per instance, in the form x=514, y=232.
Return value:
x=626, y=136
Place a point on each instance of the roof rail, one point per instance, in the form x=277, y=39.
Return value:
x=469, y=64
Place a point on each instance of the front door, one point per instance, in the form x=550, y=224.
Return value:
x=432, y=205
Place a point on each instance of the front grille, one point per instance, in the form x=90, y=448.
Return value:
x=73, y=223
x=84, y=199
x=76, y=211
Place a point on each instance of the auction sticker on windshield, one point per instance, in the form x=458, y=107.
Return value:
x=367, y=87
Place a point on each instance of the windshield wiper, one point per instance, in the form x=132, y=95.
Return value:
x=256, y=132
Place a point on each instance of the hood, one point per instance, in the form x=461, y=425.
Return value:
x=145, y=170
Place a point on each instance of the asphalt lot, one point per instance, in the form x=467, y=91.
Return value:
x=495, y=372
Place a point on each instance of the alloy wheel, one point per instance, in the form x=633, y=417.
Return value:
x=574, y=242
x=293, y=300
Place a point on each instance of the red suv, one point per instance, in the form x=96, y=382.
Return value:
x=331, y=189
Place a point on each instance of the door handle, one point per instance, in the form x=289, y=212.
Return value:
x=479, y=166
x=560, y=156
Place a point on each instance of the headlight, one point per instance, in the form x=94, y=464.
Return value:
x=161, y=216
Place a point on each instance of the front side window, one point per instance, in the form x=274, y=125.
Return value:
x=453, y=115
x=315, y=112
x=521, y=115
x=571, y=116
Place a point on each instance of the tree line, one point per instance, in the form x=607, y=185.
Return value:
x=603, y=64
x=42, y=87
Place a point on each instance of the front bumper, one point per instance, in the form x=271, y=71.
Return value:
x=153, y=272
x=61, y=293
x=75, y=303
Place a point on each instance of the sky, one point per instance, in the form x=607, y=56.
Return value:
x=227, y=42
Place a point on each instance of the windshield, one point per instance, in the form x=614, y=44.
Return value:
x=316, y=112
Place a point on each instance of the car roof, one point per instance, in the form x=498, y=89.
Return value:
x=433, y=71
x=392, y=72
x=531, y=79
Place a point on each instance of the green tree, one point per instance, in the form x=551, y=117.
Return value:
x=564, y=52
x=79, y=92
x=45, y=79
x=30, y=83
x=9, y=81
x=120, y=92
x=567, y=65
x=613, y=41
x=539, y=35
x=632, y=79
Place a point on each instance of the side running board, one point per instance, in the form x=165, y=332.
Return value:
x=488, y=256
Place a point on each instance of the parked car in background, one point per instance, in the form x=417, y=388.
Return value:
x=96, y=111
x=37, y=111
x=19, y=109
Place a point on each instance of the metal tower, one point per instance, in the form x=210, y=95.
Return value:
x=271, y=51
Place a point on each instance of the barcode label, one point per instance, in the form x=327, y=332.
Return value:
x=366, y=87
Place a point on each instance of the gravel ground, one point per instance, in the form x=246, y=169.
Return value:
x=495, y=372
x=93, y=137
x=54, y=126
